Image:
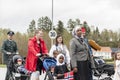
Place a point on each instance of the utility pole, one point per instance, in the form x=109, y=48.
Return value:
x=52, y=33
x=52, y=14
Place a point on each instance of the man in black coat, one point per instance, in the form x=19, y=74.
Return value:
x=9, y=48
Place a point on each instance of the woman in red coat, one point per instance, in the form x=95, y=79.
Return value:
x=36, y=47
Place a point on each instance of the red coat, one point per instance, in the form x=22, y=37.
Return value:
x=33, y=49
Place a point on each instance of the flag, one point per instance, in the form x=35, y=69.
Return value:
x=69, y=75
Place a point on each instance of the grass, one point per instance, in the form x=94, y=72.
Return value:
x=109, y=61
x=2, y=66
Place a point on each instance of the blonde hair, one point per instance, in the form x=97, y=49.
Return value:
x=37, y=31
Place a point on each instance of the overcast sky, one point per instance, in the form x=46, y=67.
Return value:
x=17, y=14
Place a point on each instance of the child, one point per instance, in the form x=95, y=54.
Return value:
x=55, y=53
x=21, y=68
x=117, y=66
x=60, y=68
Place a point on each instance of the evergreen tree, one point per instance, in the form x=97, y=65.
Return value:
x=31, y=28
x=45, y=23
x=78, y=22
x=96, y=34
x=105, y=35
x=71, y=24
x=41, y=22
x=60, y=28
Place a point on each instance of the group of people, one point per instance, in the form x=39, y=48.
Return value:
x=78, y=58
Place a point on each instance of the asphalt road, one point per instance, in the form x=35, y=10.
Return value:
x=3, y=73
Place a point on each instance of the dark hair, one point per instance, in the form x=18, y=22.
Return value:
x=57, y=38
x=55, y=52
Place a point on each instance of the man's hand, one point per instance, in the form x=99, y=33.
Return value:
x=75, y=69
x=59, y=75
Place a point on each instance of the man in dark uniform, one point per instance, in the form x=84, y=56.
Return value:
x=9, y=48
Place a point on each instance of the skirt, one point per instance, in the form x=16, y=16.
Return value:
x=84, y=71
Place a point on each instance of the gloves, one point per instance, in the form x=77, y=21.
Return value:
x=38, y=54
x=8, y=53
x=17, y=52
x=12, y=53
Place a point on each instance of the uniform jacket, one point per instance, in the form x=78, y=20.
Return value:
x=8, y=46
x=79, y=51
x=33, y=49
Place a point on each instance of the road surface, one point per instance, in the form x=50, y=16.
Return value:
x=3, y=73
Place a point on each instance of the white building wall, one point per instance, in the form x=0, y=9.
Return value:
x=104, y=55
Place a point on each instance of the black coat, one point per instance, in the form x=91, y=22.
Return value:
x=60, y=70
x=8, y=46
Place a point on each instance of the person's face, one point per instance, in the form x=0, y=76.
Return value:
x=61, y=59
x=59, y=39
x=79, y=32
x=55, y=55
x=118, y=56
x=83, y=34
x=39, y=34
x=19, y=62
x=10, y=37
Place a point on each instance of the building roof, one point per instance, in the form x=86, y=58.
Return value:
x=105, y=49
x=114, y=49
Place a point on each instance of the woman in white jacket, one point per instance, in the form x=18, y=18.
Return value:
x=61, y=48
x=117, y=66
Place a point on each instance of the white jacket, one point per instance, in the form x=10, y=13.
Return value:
x=60, y=48
x=117, y=71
